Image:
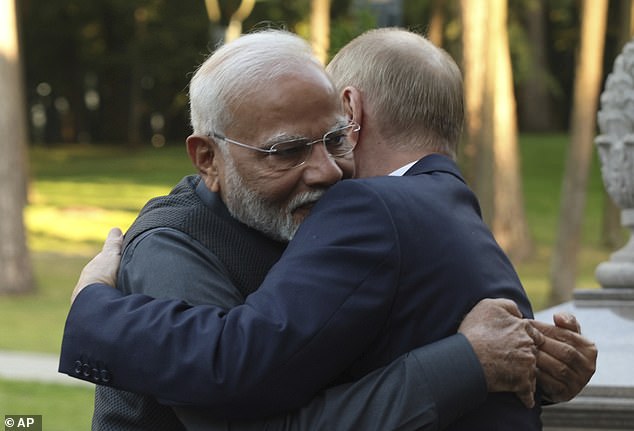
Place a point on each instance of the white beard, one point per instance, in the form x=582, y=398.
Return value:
x=250, y=208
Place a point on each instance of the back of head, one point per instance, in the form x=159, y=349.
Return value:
x=235, y=72
x=412, y=89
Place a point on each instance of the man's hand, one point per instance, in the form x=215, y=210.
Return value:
x=506, y=346
x=103, y=267
x=566, y=361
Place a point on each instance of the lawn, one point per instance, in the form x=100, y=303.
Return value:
x=78, y=192
x=63, y=408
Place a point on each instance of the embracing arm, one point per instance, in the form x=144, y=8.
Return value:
x=290, y=339
x=426, y=389
x=430, y=386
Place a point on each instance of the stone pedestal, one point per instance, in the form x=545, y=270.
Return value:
x=606, y=316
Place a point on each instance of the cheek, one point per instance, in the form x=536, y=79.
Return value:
x=274, y=187
x=346, y=164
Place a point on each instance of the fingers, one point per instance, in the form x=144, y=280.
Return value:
x=567, y=321
x=536, y=335
x=567, y=336
x=554, y=385
x=104, y=266
x=525, y=381
x=566, y=360
x=114, y=241
x=507, y=305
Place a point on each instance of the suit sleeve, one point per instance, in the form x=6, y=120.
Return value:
x=153, y=264
x=426, y=389
x=318, y=309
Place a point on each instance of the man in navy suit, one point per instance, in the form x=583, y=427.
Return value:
x=223, y=244
x=380, y=266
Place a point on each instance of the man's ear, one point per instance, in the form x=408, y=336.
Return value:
x=353, y=104
x=206, y=157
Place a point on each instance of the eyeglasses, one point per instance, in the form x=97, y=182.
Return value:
x=291, y=154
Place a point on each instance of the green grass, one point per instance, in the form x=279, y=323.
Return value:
x=63, y=408
x=78, y=192
x=543, y=160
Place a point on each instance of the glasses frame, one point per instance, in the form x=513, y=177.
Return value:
x=269, y=151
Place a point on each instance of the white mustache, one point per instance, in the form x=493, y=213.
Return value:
x=305, y=198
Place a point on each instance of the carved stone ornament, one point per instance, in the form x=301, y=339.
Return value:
x=615, y=146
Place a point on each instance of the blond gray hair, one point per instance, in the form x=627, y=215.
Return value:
x=412, y=88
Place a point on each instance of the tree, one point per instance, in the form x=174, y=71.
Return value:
x=509, y=220
x=474, y=34
x=15, y=266
x=436, y=23
x=320, y=28
x=491, y=102
x=234, y=29
x=583, y=125
x=535, y=105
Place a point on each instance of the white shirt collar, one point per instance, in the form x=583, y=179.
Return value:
x=401, y=171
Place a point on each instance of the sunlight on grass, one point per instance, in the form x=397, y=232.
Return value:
x=80, y=192
x=115, y=194
x=73, y=218
x=64, y=229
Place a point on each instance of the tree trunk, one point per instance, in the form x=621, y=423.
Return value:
x=135, y=119
x=436, y=23
x=216, y=30
x=583, y=124
x=234, y=29
x=535, y=106
x=320, y=28
x=509, y=220
x=474, y=33
x=15, y=265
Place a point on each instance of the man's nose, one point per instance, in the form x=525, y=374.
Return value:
x=320, y=169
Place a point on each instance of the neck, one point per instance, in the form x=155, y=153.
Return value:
x=381, y=161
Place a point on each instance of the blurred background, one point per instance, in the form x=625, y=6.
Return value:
x=93, y=118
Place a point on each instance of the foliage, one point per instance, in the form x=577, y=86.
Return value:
x=104, y=60
x=96, y=46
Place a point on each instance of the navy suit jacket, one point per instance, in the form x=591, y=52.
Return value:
x=382, y=265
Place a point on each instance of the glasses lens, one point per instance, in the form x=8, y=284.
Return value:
x=289, y=154
x=337, y=142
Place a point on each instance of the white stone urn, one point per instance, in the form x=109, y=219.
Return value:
x=615, y=146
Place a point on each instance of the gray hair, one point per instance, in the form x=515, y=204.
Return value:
x=412, y=88
x=237, y=70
